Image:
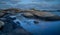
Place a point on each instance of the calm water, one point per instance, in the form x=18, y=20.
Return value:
x=42, y=28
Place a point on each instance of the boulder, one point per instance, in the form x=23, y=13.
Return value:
x=1, y=24
x=1, y=14
x=11, y=28
x=28, y=15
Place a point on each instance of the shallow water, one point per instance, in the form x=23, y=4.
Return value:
x=42, y=28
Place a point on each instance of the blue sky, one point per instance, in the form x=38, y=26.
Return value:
x=45, y=4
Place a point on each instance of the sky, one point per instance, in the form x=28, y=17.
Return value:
x=43, y=4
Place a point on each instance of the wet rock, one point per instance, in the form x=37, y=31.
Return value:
x=1, y=14
x=28, y=15
x=34, y=14
x=36, y=22
x=51, y=18
x=11, y=10
x=11, y=28
x=44, y=14
x=1, y=24
x=39, y=13
x=20, y=31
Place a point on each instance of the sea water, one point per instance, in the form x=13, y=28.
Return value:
x=42, y=28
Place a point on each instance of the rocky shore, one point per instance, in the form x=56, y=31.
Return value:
x=8, y=27
x=46, y=16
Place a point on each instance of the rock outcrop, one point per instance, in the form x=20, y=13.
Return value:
x=45, y=16
x=8, y=27
x=1, y=25
x=11, y=28
x=34, y=14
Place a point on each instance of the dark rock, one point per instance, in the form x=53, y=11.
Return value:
x=1, y=28
x=51, y=18
x=21, y=31
x=36, y=22
x=11, y=28
x=41, y=17
x=47, y=16
x=1, y=24
x=1, y=14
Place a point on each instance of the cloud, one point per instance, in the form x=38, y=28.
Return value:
x=43, y=3
x=3, y=2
